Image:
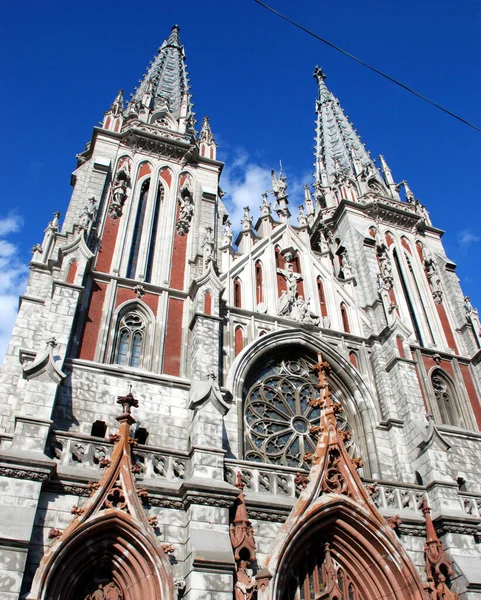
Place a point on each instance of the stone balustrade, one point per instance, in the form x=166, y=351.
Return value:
x=471, y=505
x=86, y=451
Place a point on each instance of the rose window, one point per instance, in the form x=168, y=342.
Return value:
x=278, y=417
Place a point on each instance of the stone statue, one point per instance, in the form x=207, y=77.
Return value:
x=186, y=211
x=88, y=214
x=208, y=247
x=279, y=184
x=119, y=193
x=245, y=585
x=112, y=592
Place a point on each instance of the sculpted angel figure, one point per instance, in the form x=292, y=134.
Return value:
x=279, y=184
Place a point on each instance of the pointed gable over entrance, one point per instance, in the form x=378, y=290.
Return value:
x=335, y=543
x=109, y=549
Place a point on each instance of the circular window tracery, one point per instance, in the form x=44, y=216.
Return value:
x=278, y=417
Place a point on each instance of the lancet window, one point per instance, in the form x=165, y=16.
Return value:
x=445, y=398
x=137, y=235
x=237, y=293
x=278, y=417
x=259, y=283
x=130, y=340
x=153, y=235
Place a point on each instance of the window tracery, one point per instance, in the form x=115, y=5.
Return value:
x=445, y=399
x=130, y=339
x=278, y=417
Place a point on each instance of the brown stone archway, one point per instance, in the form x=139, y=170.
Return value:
x=335, y=545
x=110, y=549
x=359, y=552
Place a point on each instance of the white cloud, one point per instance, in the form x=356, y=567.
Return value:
x=244, y=182
x=13, y=278
x=467, y=237
x=9, y=224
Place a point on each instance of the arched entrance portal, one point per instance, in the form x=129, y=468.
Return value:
x=109, y=560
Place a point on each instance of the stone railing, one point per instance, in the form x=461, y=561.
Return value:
x=284, y=481
x=86, y=451
x=396, y=498
x=268, y=479
x=471, y=505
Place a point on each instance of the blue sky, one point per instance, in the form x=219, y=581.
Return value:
x=63, y=63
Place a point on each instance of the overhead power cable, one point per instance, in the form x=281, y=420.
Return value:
x=365, y=64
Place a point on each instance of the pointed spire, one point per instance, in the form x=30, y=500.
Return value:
x=165, y=84
x=241, y=530
x=206, y=134
x=338, y=147
x=438, y=567
x=117, y=106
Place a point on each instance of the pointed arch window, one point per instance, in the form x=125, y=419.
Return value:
x=258, y=275
x=237, y=293
x=139, y=223
x=322, y=297
x=130, y=340
x=153, y=235
x=445, y=396
x=345, y=318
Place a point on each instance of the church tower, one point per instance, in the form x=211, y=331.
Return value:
x=293, y=414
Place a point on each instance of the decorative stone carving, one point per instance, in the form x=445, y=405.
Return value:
x=245, y=585
x=110, y=591
x=437, y=566
x=246, y=219
x=227, y=235
x=186, y=210
x=207, y=245
x=88, y=215
x=279, y=184
x=202, y=392
x=118, y=502
x=119, y=189
x=44, y=363
x=139, y=291
x=205, y=134
x=244, y=546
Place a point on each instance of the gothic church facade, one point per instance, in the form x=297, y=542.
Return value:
x=290, y=414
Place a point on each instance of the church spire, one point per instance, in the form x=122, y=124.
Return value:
x=339, y=149
x=165, y=84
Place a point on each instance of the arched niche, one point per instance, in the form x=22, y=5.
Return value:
x=346, y=381
x=109, y=550
x=363, y=552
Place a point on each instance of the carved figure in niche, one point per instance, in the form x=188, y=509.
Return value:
x=186, y=210
x=88, y=214
x=345, y=270
x=208, y=247
x=112, y=592
x=245, y=584
x=468, y=307
x=279, y=184
x=227, y=232
x=119, y=193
